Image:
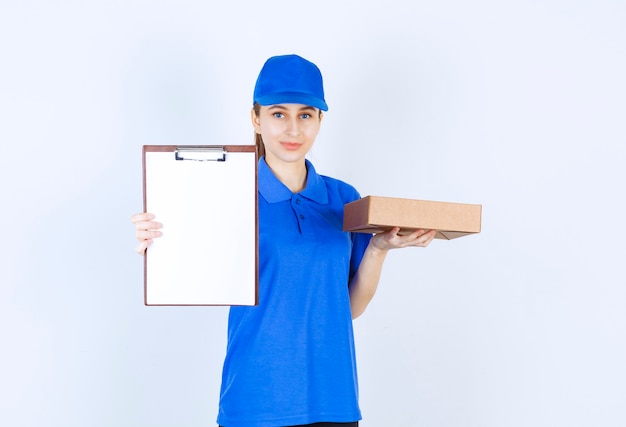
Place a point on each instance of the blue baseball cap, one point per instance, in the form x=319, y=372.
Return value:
x=290, y=79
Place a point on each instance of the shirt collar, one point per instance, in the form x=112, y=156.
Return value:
x=274, y=191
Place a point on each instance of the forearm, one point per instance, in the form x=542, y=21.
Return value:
x=365, y=281
x=364, y=284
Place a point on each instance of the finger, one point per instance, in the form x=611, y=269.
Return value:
x=142, y=235
x=391, y=233
x=425, y=238
x=142, y=246
x=424, y=233
x=148, y=225
x=396, y=236
x=412, y=235
x=144, y=216
x=418, y=237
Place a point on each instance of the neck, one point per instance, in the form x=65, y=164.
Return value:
x=292, y=174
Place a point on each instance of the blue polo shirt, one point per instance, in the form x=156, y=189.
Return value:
x=290, y=360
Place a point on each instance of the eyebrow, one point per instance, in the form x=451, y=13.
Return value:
x=282, y=107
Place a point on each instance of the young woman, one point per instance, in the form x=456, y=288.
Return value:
x=290, y=361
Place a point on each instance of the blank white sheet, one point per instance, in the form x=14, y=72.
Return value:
x=207, y=254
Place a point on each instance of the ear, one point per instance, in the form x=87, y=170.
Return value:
x=321, y=116
x=256, y=122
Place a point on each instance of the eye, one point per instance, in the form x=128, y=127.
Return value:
x=305, y=116
x=278, y=115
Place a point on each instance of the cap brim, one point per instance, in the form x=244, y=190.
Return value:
x=293, y=98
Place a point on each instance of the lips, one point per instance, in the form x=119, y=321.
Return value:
x=290, y=145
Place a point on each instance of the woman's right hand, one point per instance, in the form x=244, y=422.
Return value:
x=145, y=230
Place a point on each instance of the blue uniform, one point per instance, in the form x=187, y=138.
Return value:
x=290, y=360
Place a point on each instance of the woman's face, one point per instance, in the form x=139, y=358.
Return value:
x=288, y=130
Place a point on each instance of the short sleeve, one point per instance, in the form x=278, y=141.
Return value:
x=359, y=244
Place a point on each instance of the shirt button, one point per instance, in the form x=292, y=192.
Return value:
x=301, y=216
x=297, y=201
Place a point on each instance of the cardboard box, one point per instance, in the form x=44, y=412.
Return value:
x=374, y=214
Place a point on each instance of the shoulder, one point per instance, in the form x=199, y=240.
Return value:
x=346, y=192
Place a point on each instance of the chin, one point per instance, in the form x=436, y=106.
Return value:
x=289, y=157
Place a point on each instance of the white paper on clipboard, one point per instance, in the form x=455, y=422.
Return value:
x=206, y=199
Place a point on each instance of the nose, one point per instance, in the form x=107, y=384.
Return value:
x=293, y=127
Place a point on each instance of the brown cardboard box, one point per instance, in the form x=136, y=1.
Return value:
x=374, y=214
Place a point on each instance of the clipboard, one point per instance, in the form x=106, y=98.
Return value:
x=206, y=199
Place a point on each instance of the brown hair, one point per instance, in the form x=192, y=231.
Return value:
x=258, y=140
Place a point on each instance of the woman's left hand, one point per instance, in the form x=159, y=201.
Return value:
x=392, y=240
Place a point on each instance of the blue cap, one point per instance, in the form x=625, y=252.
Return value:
x=290, y=79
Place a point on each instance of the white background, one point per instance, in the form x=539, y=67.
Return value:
x=518, y=106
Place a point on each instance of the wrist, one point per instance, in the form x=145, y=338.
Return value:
x=375, y=250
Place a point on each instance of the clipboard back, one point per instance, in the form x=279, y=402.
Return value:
x=206, y=198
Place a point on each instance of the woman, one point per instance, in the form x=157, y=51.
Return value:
x=290, y=361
